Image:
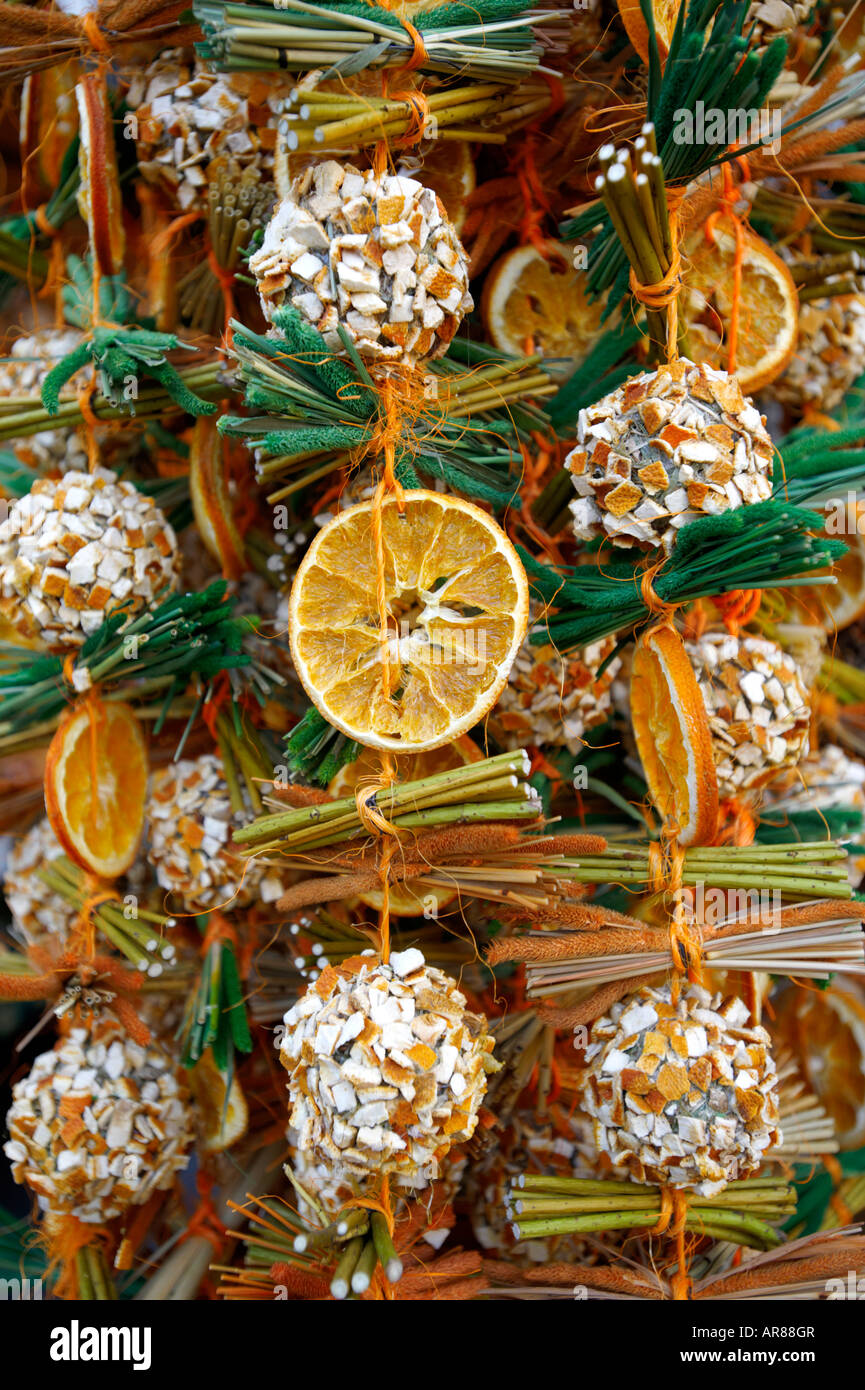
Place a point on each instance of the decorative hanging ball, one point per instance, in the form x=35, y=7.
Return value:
x=829, y=356
x=189, y=824
x=74, y=549
x=772, y=19
x=758, y=706
x=375, y=255
x=387, y=1068
x=552, y=700
x=684, y=1093
x=99, y=1124
x=530, y=1143
x=662, y=450
x=22, y=374
x=333, y=1187
x=183, y=117
x=40, y=917
x=827, y=777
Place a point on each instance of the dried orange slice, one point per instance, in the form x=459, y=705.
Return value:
x=665, y=14
x=211, y=499
x=99, y=199
x=95, y=786
x=826, y=1030
x=838, y=605
x=449, y=171
x=456, y=601
x=674, y=741
x=408, y=899
x=530, y=302
x=768, y=306
x=223, y=1114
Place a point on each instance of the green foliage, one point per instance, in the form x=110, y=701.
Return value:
x=757, y=547
x=315, y=750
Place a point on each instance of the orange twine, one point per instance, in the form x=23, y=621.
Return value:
x=419, y=53
x=666, y=865
x=225, y=279
x=728, y=209
x=657, y=606
x=664, y=294
x=419, y=107
x=204, y=1221
x=84, y=922
x=384, y=441
x=738, y=607
x=94, y=35
x=674, y=1214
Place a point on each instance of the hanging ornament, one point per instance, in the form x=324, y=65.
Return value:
x=758, y=707
x=74, y=549
x=373, y=255
x=189, y=820
x=665, y=448
x=40, y=916
x=681, y=1093
x=427, y=667
x=99, y=1124
x=387, y=1068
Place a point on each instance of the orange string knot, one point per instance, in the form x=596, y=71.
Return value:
x=419, y=53
x=666, y=1216
x=95, y=34
x=658, y=607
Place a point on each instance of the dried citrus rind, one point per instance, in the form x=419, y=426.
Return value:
x=456, y=600
x=95, y=786
x=673, y=736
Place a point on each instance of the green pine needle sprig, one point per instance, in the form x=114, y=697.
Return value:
x=315, y=750
x=315, y=412
x=767, y=545
x=155, y=654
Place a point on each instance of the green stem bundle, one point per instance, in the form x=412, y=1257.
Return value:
x=745, y=1213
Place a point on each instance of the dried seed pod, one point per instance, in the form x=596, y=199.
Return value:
x=663, y=449
x=99, y=1124
x=375, y=255
x=758, y=707
x=685, y=1093
x=183, y=116
x=387, y=1068
x=189, y=823
x=40, y=917
x=73, y=550
x=551, y=700
x=829, y=356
